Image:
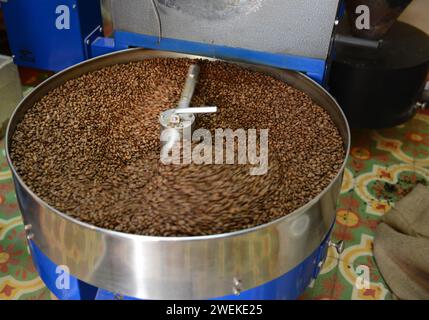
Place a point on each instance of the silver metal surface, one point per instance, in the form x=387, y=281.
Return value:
x=196, y=110
x=174, y=122
x=173, y=128
x=189, y=88
x=170, y=119
x=297, y=27
x=178, y=268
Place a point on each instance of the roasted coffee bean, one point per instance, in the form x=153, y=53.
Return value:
x=91, y=149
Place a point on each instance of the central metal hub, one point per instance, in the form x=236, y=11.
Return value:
x=183, y=117
x=171, y=119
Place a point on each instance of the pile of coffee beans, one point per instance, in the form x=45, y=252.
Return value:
x=91, y=149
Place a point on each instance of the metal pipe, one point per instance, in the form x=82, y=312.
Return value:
x=189, y=88
x=357, y=42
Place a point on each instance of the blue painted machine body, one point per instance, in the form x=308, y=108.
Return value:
x=51, y=35
x=287, y=287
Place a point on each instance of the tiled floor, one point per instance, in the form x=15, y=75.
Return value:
x=383, y=167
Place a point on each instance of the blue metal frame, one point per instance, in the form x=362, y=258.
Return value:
x=288, y=286
x=314, y=68
x=35, y=40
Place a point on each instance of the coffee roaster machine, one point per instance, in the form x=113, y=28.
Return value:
x=290, y=40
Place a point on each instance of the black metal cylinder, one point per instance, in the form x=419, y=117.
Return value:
x=379, y=87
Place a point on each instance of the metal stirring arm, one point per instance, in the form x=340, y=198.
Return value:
x=196, y=110
x=182, y=118
x=189, y=88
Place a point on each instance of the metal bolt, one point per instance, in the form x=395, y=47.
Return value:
x=236, y=289
x=27, y=227
x=237, y=282
x=174, y=119
x=30, y=236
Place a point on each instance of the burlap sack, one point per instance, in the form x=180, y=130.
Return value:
x=401, y=246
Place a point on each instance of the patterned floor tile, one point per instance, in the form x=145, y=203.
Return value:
x=384, y=166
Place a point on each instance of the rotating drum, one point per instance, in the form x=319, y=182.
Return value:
x=276, y=260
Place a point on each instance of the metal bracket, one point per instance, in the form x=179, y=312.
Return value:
x=94, y=34
x=339, y=246
x=237, y=286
